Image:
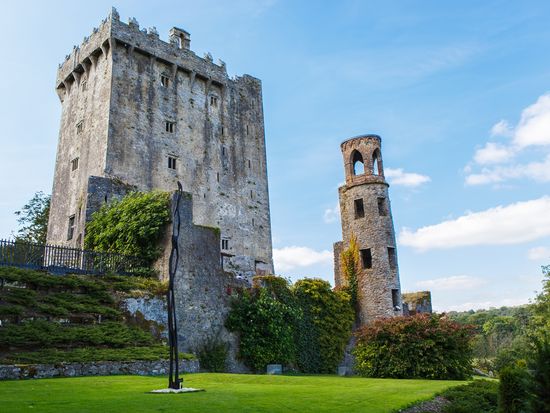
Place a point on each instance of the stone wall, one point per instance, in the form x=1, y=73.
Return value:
x=417, y=303
x=203, y=290
x=85, y=93
x=99, y=368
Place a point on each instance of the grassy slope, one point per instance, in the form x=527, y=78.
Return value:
x=224, y=393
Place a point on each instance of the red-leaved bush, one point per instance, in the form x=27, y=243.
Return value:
x=422, y=346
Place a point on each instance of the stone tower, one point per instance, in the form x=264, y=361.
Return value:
x=366, y=214
x=140, y=113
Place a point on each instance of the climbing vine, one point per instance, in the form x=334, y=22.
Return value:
x=306, y=326
x=349, y=262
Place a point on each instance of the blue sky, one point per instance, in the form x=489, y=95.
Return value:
x=459, y=92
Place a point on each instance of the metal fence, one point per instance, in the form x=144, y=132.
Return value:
x=62, y=260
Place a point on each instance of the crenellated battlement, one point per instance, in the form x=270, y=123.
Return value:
x=112, y=33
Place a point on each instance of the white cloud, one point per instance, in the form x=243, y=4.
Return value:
x=409, y=179
x=534, y=125
x=539, y=253
x=332, y=214
x=537, y=171
x=511, y=224
x=501, y=128
x=455, y=282
x=288, y=258
x=485, y=305
x=493, y=153
x=533, y=129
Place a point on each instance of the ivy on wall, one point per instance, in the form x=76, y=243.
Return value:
x=325, y=326
x=132, y=226
x=306, y=326
x=350, y=267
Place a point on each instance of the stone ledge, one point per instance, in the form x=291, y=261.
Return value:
x=100, y=368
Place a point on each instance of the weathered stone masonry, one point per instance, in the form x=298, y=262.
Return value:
x=141, y=113
x=366, y=214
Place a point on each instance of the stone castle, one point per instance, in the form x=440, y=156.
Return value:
x=141, y=114
x=366, y=215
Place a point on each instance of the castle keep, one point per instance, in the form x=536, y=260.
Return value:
x=366, y=214
x=141, y=114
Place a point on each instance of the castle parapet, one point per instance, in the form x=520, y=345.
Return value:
x=113, y=33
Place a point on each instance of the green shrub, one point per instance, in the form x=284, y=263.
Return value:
x=132, y=226
x=40, y=333
x=325, y=327
x=307, y=325
x=266, y=326
x=422, y=346
x=213, y=356
x=479, y=396
x=88, y=354
x=513, y=394
x=540, y=366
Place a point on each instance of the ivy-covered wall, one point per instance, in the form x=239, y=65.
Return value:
x=305, y=326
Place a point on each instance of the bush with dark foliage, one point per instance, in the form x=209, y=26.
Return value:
x=422, y=346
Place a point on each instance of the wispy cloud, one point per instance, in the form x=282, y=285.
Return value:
x=402, y=178
x=289, y=258
x=502, y=128
x=455, y=282
x=332, y=214
x=485, y=305
x=510, y=224
x=493, y=153
x=539, y=253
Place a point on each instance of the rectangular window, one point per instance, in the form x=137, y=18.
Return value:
x=392, y=258
x=74, y=164
x=217, y=176
x=395, y=299
x=172, y=162
x=164, y=80
x=359, y=208
x=70, y=230
x=225, y=244
x=249, y=164
x=170, y=126
x=366, y=258
x=247, y=129
x=213, y=100
x=79, y=127
x=382, y=207
x=223, y=150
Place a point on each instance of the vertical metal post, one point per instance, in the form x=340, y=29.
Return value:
x=174, y=381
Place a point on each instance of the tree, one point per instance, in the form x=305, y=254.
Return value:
x=133, y=225
x=33, y=219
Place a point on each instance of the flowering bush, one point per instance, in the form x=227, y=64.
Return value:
x=422, y=346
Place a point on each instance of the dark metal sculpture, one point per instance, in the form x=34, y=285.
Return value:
x=174, y=381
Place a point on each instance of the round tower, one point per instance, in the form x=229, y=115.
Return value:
x=366, y=214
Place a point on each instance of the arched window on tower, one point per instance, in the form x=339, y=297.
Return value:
x=376, y=166
x=358, y=165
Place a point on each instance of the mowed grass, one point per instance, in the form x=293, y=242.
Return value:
x=224, y=393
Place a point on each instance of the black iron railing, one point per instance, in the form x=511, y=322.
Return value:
x=62, y=260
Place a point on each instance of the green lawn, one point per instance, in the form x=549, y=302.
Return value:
x=224, y=393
